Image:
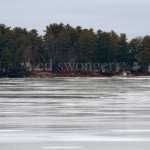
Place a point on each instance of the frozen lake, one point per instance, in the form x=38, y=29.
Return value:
x=75, y=113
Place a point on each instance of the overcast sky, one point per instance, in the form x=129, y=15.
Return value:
x=123, y=16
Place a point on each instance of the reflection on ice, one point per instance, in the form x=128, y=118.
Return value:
x=94, y=109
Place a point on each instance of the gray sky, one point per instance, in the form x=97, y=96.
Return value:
x=123, y=16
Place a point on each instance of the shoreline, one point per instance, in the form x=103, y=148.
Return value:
x=86, y=74
x=82, y=74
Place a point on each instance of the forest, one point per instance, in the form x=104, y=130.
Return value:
x=21, y=51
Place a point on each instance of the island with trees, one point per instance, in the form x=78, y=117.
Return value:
x=64, y=50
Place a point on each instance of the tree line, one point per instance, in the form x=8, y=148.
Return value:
x=20, y=48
